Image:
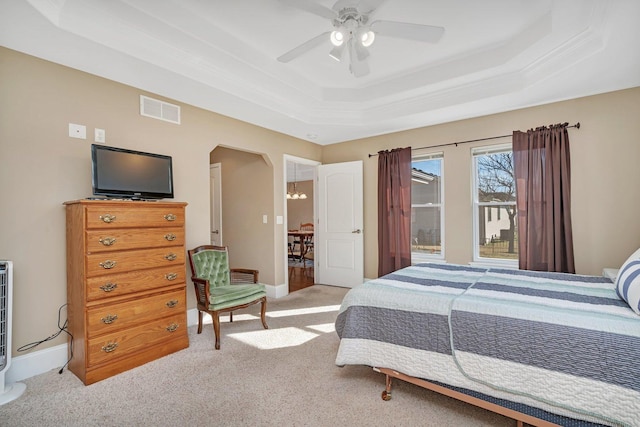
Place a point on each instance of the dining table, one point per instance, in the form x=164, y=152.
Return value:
x=303, y=236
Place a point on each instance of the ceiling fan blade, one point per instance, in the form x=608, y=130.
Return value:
x=367, y=6
x=311, y=7
x=357, y=66
x=341, y=4
x=405, y=30
x=362, y=52
x=304, y=47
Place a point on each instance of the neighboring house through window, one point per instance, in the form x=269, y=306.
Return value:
x=427, y=208
x=494, y=206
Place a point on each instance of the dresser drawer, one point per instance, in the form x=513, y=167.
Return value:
x=119, y=216
x=100, y=264
x=129, y=341
x=112, y=317
x=114, y=285
x=133, y=238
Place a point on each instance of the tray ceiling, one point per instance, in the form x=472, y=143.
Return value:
x=494, y=56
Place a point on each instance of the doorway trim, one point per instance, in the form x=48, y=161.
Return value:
x=287, y=158
x=215, y=200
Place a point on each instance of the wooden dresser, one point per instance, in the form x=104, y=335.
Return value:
x=126, y=290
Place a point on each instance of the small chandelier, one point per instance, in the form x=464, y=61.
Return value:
x=295, y=195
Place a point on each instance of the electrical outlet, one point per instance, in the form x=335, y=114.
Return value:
x=77, y=131
x=264, y=219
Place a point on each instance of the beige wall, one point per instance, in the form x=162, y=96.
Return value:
x=41, y=167
x=247, y=192
x=604, y=155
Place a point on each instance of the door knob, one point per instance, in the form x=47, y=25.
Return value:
x=356, y=231
x=215, y=232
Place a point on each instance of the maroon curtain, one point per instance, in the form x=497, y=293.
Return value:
x=394, y=210
x=543, y=199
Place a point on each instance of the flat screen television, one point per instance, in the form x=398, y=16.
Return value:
x=128, y=174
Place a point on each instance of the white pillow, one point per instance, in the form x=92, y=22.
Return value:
x=628, y=281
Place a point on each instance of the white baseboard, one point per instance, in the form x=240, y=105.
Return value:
x=277, y=291
x=39, y=362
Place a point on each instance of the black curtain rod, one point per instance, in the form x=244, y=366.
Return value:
x=577, y=126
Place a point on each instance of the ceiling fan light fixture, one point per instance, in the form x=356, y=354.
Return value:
x=366, y=37
x=353, y=31
x=337, y=37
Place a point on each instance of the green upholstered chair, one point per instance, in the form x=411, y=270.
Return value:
x=222, y=289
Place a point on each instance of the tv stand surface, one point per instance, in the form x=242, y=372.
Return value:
x=125, y=199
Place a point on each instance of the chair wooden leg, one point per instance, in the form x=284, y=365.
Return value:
x=199, y=322
x=216, y=328
x=263, y=312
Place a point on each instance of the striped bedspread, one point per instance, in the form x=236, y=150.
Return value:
x=562, y=343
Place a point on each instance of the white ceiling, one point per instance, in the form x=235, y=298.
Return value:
x=495, y=55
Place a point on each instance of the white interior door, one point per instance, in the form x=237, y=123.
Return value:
x=216, y=204
x=339, y=253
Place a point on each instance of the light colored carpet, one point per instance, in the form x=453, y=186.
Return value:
x=283, y=376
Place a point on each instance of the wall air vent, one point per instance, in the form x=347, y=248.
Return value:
x=160, y=110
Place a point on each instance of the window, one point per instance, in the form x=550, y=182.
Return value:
x=494, y=190
x=426, y=208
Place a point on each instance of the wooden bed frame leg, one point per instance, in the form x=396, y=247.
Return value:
x=386, y=394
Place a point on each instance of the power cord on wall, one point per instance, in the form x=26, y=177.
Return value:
x=61, y=328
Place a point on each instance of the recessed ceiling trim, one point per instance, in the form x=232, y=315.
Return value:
x=221, y=58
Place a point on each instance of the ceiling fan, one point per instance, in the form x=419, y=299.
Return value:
x=354, y=33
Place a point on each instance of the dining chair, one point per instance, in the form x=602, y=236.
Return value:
x=308, y=241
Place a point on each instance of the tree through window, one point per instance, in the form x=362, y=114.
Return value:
x=495, y=197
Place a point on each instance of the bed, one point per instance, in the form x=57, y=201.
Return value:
x=541, y=348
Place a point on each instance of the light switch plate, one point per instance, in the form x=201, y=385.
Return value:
x=99, y=135
x=264, y=219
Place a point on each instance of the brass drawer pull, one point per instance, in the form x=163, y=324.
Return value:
x=109, y=318
x=108, y=218
x=172, y=327
x=171, y=276
x=172, y=303
x=170, y=237
x=108, y=287
x=108, y=264
x=110, y=347
x=108, y=241
x=171, y=257
x=170, y=217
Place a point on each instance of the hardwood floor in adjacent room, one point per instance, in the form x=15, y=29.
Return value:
x=300, y=277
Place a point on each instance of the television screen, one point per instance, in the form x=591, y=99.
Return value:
x=117, y=172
